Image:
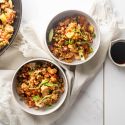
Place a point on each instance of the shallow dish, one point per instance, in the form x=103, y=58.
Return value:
x=40, y=111
x=70, y=13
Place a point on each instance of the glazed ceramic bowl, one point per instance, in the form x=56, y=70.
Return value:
x=41, y=111
x=69, y=13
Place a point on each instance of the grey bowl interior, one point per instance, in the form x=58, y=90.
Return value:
x=40, y=111
x=16, y=24
x=70, y=13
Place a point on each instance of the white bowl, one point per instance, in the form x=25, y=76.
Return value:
x=68, y=13
x=40, y=111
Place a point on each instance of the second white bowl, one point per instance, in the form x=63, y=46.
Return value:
x=33, y=111
x=68, y=13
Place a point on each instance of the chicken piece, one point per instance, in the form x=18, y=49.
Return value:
x=44, y=90
x=31, y=104
x=51, y=71
x=24, y=86
x=81, y=20
x=9, y=28
x=67, y=21
x=61, y=24
x=70, y=46
x=53, y=79
x=54, y=97
x=28, y=93
x=69, y=55
x=10, y=15
x=43, y=70
x=72, y=25
x=19, y=91
x=4, y=4
x=39, y=104
x=77, y=57
x=48, y=101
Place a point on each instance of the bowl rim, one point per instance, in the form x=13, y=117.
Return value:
x=80, y=61
x=62, y=99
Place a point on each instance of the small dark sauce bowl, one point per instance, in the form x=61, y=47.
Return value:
x=117, y=52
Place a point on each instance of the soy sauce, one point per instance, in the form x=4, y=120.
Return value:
x=118, y=52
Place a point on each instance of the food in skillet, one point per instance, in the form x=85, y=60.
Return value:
x=39, y=84
x=7, y=16
x=71, y=39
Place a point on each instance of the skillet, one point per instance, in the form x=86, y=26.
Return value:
x=18, y=8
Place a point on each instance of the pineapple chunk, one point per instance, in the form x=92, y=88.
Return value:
x=69, y=34
x=91, y=28
x=3, y=18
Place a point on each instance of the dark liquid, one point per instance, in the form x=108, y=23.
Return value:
x=118, y=52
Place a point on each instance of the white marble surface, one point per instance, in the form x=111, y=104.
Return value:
x=108, y=88
x=114, y=94
x=114, y=81
x=88, y=109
